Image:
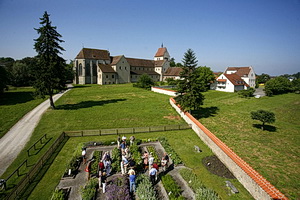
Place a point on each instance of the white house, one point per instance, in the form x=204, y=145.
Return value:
x=246, y=73
x=235, y=79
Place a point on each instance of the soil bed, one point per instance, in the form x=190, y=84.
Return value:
x=215, y=166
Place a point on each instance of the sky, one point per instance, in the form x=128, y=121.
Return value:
x=264, y=34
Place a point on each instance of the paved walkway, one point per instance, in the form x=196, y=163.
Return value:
x=16, y=138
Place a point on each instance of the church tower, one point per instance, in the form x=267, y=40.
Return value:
x=161, y=61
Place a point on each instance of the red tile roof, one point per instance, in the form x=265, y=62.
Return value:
x=235, y=79
x=221, y=80
x=96, y=54
x=135, y=62
x=160, y=52
x=116, y=59
x=173, y=71
x=159, y=63
x=106, y=68
x=241, y=71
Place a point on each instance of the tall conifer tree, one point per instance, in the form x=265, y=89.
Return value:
x=190, y=96
x=50, y=70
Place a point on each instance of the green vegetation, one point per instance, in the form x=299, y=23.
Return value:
x=58, y=194
x=14, y=104
x=263, y=116
x=89, y=191
x=273, y=153
x=201, y=192
x=173, y=190
x=170, y=151
x=278, y=85
x=246, y=93
x=144, y=189
x=144, y=82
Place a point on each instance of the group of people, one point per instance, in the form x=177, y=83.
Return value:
x=127, y=164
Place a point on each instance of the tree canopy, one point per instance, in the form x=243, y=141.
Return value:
x=3, y=79
x=263, y=116
x=50, y=71
x=263, y=78
x=278, y=85
x=144, y=81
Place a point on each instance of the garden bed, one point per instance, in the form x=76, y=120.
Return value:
x=215, y=166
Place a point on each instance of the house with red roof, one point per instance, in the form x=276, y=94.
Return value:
x=235, y=79
x=96, y=66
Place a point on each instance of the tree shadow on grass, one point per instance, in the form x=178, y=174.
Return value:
x=87, y=104
x=12, y=98
x=81, y=86
x=205, y=112
x=269, y=128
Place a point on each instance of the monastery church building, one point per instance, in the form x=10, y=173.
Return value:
x=95, y=66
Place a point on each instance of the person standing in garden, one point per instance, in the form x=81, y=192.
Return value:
x=165, y=161
x=119, y=141
x=132, y=178
x=145, y=159
x=103, y=181
x=152, y=174
x=83, y=154
x=132, y=139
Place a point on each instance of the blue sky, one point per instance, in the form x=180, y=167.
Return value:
x=264, y=34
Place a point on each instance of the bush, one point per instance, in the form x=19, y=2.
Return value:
x=144, y=82
x=144, y=189
x=152, y=150
x=116, y=160
x=58, y=194
x=203, y=193
x=88, y=192
x=263, y=116
x=136, y=156
x=171, y=81
x=246, y=93
x=94, y=166
x=174, y=156
x=171, y=187
x=75, y=160
x=278, y=85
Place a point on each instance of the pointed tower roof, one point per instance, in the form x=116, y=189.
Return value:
x=161, y=52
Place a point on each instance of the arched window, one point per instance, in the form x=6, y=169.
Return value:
x=80, y=70
x=94, y=69
x=87, y=70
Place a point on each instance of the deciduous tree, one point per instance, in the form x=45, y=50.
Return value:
x=278, y=85
x=50, y=71
x=144, y=81
x=263, y=116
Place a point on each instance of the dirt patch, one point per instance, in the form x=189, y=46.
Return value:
x=215, y=166
x=172, y=117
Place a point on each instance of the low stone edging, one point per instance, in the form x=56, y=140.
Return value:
x=257, y=185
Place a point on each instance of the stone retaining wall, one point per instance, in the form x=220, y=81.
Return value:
x=163, y=91
x=257, y=185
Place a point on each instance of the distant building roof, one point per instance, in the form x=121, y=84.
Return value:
x=241, y=71
x=135, y=62
x=96, y=54
x=173, y=71
x=235, y=79
x=115, y=59
x=106, y=68
x=159, y=63
x=160, y=52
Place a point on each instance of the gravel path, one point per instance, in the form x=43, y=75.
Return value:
x=16, y=138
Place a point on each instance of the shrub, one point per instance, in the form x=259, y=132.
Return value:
x=94, y=166
x=137, y=157
x=116, y=159
x=246, y=93
x=152, y=150
x=263, y=116
x=144, y=189
x=174, y=156
x=75, y=160
x=203, y=193
x=58, y=194
x=278, y=85
x=88, y=192
x=144, y=82
x=171, y=187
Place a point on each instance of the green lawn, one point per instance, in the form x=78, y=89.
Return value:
x=114, y=106
x=14, y=104
x=274, y=153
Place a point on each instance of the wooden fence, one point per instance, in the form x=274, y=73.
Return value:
x=123, y=131
x=17, y=191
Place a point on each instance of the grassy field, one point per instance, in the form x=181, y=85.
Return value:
x=114, y=106
x=185, y=149
x=274, y=152
x=14, y=104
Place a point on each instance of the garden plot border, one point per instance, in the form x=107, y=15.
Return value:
x=80, y=179
x=255, y=183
